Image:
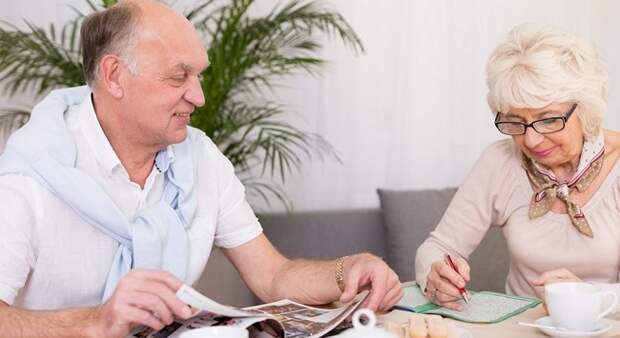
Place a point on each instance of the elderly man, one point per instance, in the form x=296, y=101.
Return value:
x=111, y=202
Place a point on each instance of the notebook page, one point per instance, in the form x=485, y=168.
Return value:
x=488, y=307
x=413, y=297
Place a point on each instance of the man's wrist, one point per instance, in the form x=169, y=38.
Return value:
x=340, y=273
x=93, y=327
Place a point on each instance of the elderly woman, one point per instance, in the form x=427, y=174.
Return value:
x=553, y=187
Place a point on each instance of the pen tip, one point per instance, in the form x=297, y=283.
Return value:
x=467, y=297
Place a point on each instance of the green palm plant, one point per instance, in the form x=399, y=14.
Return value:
x=248, y=55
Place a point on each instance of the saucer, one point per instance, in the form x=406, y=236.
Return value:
x=601, y=327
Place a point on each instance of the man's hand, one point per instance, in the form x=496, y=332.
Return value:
x=443, y=282
x=365, y=271
x=145, y=297
x=142, y=297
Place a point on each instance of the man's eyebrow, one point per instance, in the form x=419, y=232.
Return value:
x=188, y=68
x=183, y=66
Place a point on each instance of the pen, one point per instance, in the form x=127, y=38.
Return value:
x=462, y=291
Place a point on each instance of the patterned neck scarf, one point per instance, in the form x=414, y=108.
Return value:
x=548, y=187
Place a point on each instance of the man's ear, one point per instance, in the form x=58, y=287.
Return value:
x=110, y=68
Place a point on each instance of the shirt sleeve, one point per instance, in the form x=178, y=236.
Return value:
x=614, y=286
x=475, y=207
x=17, y=221
x=236, y=222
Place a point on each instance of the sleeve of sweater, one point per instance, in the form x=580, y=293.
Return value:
x=19, y=212
x=613, y=287
x=482, y=201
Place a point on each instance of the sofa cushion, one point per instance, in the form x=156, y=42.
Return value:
x=326, y=234
x=490, y=262
x=409, y=216
x=309, y=234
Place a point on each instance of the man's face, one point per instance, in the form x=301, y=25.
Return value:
x=161, y=96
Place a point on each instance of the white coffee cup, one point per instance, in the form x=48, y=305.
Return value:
x=216, y=332
x=578, y=306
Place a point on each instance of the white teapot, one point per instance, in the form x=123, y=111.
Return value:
x=368, y=330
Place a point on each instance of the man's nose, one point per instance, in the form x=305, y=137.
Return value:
x=194, y=93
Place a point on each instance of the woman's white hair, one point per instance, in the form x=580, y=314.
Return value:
x=539, y=65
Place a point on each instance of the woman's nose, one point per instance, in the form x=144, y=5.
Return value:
x=532, y=138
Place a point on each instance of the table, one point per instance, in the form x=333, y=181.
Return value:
x=505, y=329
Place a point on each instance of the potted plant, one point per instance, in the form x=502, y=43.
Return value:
x=247, y=55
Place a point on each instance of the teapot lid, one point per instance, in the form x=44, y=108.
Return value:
x=368, y=330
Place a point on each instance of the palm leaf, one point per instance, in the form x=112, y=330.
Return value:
x=10, y=121
x=39, y=60
x=257, y=188
x=248, y=56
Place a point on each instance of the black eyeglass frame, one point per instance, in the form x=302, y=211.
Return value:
x=564, y=119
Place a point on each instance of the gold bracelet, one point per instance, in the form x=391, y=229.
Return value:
x=340, y=273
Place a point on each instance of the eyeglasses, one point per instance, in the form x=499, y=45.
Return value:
x=542, y=126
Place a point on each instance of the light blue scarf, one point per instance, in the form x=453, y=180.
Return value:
x=44, y=149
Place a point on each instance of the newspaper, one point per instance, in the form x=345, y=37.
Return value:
x=283, y=318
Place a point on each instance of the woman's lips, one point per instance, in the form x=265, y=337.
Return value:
x=543, y=153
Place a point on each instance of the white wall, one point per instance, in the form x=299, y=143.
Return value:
x=411, y=112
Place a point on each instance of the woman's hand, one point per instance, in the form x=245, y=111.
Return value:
x=562, y=275
x=443, y=283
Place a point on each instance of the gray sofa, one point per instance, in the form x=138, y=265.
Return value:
x=393, y=232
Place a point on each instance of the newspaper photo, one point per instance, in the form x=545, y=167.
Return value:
x=284, y=318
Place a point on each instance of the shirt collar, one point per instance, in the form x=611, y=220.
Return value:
x=106, y=157
x=164, y=159
x=95, y=136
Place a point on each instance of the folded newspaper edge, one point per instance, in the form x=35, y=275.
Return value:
x=199, y=301
x=285, y=317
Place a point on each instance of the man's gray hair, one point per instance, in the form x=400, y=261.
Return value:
x=111, y=31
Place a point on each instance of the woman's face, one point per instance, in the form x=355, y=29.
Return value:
x=552, y=150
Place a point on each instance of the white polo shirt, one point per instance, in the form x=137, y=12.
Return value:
x=51, y=258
